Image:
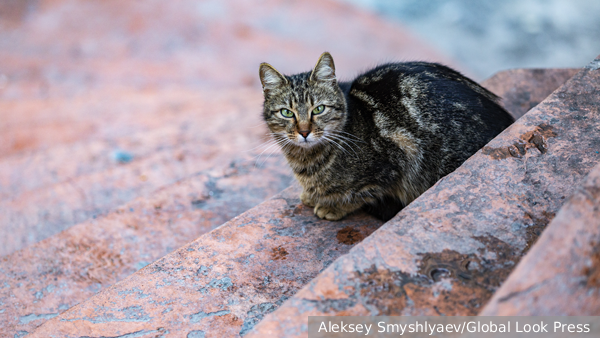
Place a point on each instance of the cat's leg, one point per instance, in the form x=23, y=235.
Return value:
x=307, y=199
x=335, y=212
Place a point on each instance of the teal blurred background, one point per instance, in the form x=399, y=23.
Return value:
x=489, y=35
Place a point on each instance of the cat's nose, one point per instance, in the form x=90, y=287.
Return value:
x=304, y=133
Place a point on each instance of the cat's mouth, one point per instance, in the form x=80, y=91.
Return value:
x=306, y=142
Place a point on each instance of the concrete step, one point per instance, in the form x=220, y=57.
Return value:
x=46, y=278
x=453, y=247
x=52, y=191
x=523, y=89
x=138, y=121
x=560, y=275
x=224, y=282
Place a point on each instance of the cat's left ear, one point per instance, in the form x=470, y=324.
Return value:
x=324, y=69
x=270, y=78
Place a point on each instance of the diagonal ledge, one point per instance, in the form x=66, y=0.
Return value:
x=449, y=250
x=41, y=281
x=242, y=324
x=225, y=281
x=523, y=89
x=560, y=275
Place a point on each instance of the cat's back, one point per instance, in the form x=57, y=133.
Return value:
x=429, y=94
x=441, y=112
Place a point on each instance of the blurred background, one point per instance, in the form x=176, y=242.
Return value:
x=488, y=35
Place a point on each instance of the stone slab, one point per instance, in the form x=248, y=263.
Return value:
x=69, y=185
x=139, y=122
x=47, y=278
x=224, y=282
x=560, y=275
x=523, y=89
x=452, y=248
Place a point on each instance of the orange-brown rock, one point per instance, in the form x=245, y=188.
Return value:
x=224, y=282
x=47, y=278
x=560, y=275
x=523, y=89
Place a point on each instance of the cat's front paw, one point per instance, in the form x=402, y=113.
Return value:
x=329, y=213
x=306, y=200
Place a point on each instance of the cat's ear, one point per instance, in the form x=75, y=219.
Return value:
x=270, y=78
x=324, y=69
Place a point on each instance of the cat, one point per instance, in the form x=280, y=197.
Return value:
x=379, y=141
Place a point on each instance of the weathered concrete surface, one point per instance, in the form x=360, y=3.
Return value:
x=71, y=184
x=560, y=275
x=45, y=279
x=60, y=50
x=449, y=250
x=222, y=283
x=523, y=89
x=139, y=122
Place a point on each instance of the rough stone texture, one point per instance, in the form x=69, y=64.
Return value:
x=223, y=283
x=523, y=89
x=449, y=250
x=139, y=122
x=81, y=80
x=47, y=192
x=49, y=277
x=560, y=275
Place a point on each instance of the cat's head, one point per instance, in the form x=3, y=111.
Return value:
x=306, y=109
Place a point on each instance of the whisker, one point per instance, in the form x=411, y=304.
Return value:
x=344, y=139
x=354, y=137
x=336, y=137
x=341, y=139
x=338, y=145
x=274, y=143
x=268, y=142
x=347, y=139
x=278, y=140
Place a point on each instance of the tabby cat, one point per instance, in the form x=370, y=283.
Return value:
x=381, y=140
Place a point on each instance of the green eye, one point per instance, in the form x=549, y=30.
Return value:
x=318, y=110
x=286, y=113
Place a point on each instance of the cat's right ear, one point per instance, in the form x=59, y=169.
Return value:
x=324, y=69
x=270, y=78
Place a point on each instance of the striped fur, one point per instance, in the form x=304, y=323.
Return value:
x=383, y=138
